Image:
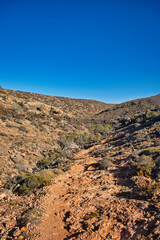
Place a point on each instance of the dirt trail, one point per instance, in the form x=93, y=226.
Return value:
x=71, y=196
x=83, y=203
x=67, y=191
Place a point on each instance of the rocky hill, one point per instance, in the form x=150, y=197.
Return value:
x=100, y=160
x=129, y=109
x=31, y=125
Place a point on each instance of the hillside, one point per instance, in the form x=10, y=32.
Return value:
x=100, y=160
x=129, y=109
x=31, y=125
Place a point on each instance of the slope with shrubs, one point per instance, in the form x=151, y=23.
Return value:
x=129, y=109
x=41, y=136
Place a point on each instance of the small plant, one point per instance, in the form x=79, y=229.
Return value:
x=29, y=216
x=28, y=183
x=149, y=114
x=23, y=129
x=105, y=163
x=91, y=215
x=147, y=191
x=3, y=134
x=81, y=140
x=101, y=129
x=44, y=163
x=139, y=119
x=55, y=158
x=144, y=166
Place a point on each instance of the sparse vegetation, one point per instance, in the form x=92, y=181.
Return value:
x=44, y=163
x=57, y=159
x=28, y=183
x=149, y=114
x=91, y=215
x=144, y=166
x=105, y=163
x=147, y=191
x=41, y=136
x=29, y=217
x=101, y=129
x=81, y=140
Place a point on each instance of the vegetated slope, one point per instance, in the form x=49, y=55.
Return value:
x=40, y=137
x=129, y=109
x=32, y=125
x=76, y=107
x=111, y=192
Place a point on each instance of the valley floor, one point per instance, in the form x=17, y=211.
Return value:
x=84, y=203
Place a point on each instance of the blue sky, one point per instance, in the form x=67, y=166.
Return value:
x=108, y=50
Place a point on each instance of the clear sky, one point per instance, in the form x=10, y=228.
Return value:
x=108, y=50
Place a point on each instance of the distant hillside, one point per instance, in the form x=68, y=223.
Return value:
x=74, y=107
x=129, y=109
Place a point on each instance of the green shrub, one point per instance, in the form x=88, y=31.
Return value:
x=139, y=119
x=31, y=183
x=91, y=215
x=28, y=183
x=81, y=140
x=101, y=129
x=49, y=173
x=149, y=114
x=44, y=163
x=55, y=158
x=147, y=191
x=144, y=166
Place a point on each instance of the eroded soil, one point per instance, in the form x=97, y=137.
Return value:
x=84, y=203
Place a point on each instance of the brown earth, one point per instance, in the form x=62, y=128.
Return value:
x=129, y=109
x=89, y=201
x=84, y=204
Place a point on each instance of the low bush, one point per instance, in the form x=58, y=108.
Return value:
x=91, y=215
x=55, y=160
x=148, y=191
x=145, y=165
x=101, y=129
x=149, y=115
x=81, y=140
x=44, y=163
x=105, y=163
x=28, y=183
x=30, y=216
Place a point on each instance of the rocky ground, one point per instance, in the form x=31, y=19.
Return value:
x=93, y=203
x=68, y=172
